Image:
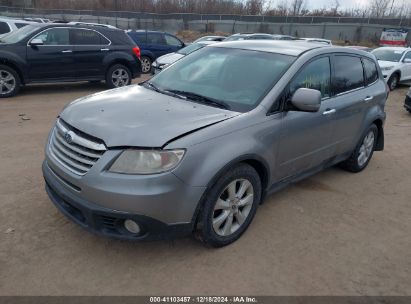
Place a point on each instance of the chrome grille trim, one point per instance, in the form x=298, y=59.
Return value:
x=78, y=155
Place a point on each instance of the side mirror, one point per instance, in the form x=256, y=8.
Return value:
x=307, y=100
x=407, y=60
x=36, y=41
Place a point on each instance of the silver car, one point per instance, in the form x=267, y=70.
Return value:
x=196, y=148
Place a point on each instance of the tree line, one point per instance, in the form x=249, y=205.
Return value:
x=374, y=8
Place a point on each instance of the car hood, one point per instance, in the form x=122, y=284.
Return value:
x=384, y=64
x=139, y=117
x=169, y=58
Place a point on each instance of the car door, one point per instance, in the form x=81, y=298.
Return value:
x=305, y=136
x=156, y=43
x=90, y=49
x=174, y=43
x=54, y=58
x=351, y=97
x=406, y=70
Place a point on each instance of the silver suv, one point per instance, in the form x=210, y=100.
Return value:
x=198, y=147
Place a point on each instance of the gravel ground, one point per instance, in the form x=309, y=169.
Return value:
x=335, y=233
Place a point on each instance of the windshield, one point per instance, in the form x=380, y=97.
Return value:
x=237, y=78
x=388, y=55
x=191, y=48
x=20, y=34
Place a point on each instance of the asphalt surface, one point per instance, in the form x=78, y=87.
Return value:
x=336, y=233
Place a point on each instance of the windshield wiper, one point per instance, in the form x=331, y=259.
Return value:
x=153, y=87
x=202, y=99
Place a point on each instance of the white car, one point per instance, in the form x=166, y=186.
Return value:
x=8, y=25
x=318, y=40
x=395, y=63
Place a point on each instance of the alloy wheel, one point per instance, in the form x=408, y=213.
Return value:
x=120, y=77
x=233, y=207
x=366, y=149
x=145, y=65
x=7, y=82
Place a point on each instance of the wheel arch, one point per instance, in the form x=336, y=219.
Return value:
x=253, y=160
x=14, y=66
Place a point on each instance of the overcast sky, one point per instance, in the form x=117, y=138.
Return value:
x=344, y=3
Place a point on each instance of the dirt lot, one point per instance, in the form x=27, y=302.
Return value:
x=335, y=233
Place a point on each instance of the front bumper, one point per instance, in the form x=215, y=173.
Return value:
x=407, y=103
x=105, y=221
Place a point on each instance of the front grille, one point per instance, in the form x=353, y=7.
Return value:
x=73, y=149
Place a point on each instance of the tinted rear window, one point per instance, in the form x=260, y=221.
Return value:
x=349, y=74
x=87, y=37
x=371, y=72
x=155, y=38
x=4, y=28
x=138, y=37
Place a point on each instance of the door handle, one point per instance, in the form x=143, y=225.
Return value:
x=368, y=98
x=104, y=50
x=329, y=111
x=67, y=51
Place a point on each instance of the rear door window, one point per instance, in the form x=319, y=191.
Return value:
x=315, y=75
x=371, y=72
x=348, y=74
x=172, y=41
x=87, y=37
x=155, y=38
x=4, y=28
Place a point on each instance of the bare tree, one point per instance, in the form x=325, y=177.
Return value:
x=335, y=7
x=379, y=8
x=296, y=7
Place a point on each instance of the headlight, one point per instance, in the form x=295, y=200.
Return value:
x=134, y=161
x=154, y=64
x=387, y=68
x=163, y=66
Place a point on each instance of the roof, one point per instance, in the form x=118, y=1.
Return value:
x=285, y=47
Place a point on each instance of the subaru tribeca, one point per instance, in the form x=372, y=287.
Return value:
x=50, y=52
x=198, y=147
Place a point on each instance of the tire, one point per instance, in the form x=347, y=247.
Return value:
x=9, y=82
x=393, y=81
x=231, y=218
x=145, y=64
x=118, y=75
x=366, y=148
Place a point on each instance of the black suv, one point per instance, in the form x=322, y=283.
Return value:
x=67, y=52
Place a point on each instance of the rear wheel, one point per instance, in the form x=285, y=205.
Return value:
x=393, y=81
x=118, y=75
x=145, y=64
x=9, y=82
x=230, y=206
x=362, y=154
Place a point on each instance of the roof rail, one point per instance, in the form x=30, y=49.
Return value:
x=93, y=24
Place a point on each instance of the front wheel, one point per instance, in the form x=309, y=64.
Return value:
x=230, y=206
x=145, y=64
x=362, y=154
x=393, y=82
x=117, y=76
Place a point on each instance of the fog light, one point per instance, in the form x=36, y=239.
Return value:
x=131, y=226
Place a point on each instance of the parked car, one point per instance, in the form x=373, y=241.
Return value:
x=360, y=48
x=48, y=52
x=153, y=45
x=395, y=63
x=407, y=103
x=197, y=147
x=165, y=60
x=255, y=36
x=318, y=40
x=283, y=37
x=8, y=25
x=210, y=38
